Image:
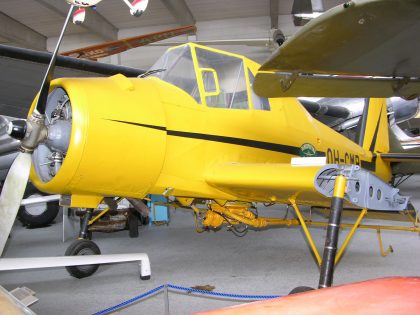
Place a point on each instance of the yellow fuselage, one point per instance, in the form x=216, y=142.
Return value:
x=132, y=137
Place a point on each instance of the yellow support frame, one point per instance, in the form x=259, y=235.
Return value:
x=100, y=214
x=306, y=231
x=306, y=223
x=350, y=235
x=384, y=253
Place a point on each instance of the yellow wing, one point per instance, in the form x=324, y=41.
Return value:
x=309, y=184
x=358, y=39
x=273, y=182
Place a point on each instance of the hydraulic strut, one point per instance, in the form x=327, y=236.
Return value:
x=330, y=248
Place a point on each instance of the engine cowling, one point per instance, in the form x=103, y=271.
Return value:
x=106, y=137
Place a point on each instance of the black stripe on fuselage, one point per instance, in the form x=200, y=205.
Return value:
x=370, y=166
x=375, y=135
x=238, y=141
x=141, y=125
x=276, y=147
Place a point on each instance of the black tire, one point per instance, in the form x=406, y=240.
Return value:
x=300, y=290
x=133, y=224
x=40, y=215
x=82, y=247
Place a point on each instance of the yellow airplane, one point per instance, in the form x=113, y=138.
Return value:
x=193, y=129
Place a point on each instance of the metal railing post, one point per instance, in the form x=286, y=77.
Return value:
x=166, y=297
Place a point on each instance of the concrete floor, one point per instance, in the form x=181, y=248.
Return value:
x=265, y=262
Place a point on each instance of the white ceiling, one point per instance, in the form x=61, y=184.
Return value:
x=36, y=24
x=38, y=17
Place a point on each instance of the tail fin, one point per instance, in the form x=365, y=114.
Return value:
x=376, y=136
x=373, y=132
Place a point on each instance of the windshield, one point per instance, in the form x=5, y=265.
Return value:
x=179, y=70
x=231, y=79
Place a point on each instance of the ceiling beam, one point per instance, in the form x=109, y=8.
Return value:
x=180, y=11
x=274, y=14
x=18, y=33
x=94, y=22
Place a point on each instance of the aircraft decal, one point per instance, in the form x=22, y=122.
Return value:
x=307, y=150
x=334, y=156
x=276, y=147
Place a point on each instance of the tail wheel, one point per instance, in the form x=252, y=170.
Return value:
x=82, y=247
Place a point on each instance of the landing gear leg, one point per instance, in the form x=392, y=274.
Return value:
x=84, y=228
x=83, y=246
x=330, y=248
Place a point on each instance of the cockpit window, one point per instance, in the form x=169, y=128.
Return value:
x=230, y=74
x=257, y=101
x=179, y=70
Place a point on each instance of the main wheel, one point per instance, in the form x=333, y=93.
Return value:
x=37, y=215
x=82, y=247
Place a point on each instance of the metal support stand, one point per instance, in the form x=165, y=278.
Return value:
x=330, y=248
x=50, y=262
x=166, y=297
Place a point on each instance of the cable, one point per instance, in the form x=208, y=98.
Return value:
x=401, y=179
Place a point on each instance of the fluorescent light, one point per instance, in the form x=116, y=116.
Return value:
x=312, y=15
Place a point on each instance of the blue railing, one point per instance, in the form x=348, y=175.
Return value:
x=171, y=287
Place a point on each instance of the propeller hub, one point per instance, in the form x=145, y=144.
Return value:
x=30, y=132
x=17, y=129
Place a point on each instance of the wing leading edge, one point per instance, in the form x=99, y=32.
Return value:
x=267, y=182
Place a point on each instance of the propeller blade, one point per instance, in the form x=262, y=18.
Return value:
x=12, y=195
x=43, y=92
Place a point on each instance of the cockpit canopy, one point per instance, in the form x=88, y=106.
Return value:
x=212, y=77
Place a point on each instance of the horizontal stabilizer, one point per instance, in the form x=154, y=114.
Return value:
x=401, y=157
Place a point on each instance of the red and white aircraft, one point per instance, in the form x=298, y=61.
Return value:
x=137, y=7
